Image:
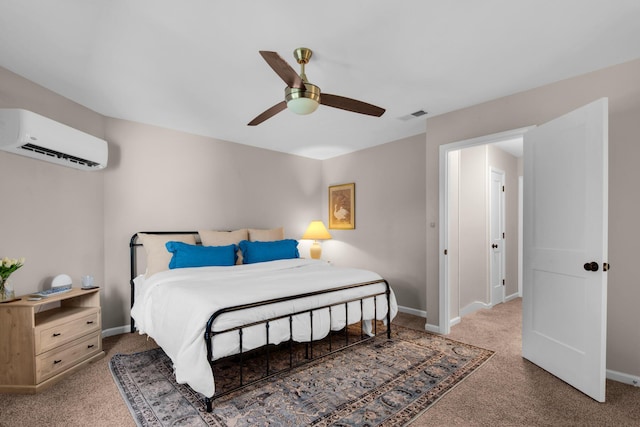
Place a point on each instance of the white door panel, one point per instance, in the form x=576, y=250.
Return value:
x=565, y=226
x=496, y=233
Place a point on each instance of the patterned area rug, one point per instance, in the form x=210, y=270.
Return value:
x=377, y=383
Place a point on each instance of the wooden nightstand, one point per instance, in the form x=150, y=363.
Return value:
x=41, y=344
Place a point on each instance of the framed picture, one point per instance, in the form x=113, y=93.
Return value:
x=342, y=206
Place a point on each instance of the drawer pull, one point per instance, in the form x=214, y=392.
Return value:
x=89, y=322
x=55, y=362
x=91, y=346
x=56, y=334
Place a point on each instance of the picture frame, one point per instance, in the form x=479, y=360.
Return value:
x=342, y=206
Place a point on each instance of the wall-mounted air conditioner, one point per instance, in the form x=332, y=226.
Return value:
x=29, y=134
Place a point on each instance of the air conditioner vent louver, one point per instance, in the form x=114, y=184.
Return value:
x=59, y=155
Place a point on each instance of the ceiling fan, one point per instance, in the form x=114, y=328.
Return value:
x=302, y=97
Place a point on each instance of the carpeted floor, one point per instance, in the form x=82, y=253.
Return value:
x=381, y=382
x=506, y=391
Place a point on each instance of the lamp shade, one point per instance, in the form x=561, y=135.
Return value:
x=302, y=106
x=316, y=231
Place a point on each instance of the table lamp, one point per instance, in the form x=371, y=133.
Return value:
x=316, y=231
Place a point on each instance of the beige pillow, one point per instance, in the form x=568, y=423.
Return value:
x=272, y=235
x=224, y=238
x=158, y=257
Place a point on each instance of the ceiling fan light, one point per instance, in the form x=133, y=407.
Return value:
x=302, y=100
x=302, y=105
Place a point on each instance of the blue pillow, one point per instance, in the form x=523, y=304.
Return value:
x=253, y=252
x=185, y=255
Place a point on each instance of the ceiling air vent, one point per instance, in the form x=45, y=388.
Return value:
x=413, y=115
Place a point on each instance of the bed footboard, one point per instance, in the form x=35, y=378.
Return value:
x=210, y=333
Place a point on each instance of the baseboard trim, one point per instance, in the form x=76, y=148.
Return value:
x=422, y=313
x=432, y=328
x=512, y=297
x=621, y=377
x=473, y=307
x=415, y=312
x=116, y=331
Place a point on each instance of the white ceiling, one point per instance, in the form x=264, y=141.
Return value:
x=193, y=65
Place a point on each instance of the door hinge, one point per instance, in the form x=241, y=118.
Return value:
x=502, y=282
x=445, y=251
x=503, y=235
x=503, y=188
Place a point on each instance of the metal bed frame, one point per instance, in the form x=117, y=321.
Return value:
x=309, y=356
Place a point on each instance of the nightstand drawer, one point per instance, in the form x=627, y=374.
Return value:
x=56, y=361
x=53, y=336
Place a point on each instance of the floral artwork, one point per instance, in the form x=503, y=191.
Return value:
x=342, y=206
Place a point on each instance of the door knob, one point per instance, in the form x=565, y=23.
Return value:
x=494, y=246
x=591, y=266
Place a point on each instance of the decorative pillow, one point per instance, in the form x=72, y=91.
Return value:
x=223, y=238
x=157, y=255
x=272, y=235
x=185, y=255
x=269, y=251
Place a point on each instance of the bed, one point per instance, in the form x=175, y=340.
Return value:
x=200, y=314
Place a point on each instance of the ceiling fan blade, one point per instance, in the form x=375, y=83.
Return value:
x=349, y=104
x=283, y=69
x=268, y=113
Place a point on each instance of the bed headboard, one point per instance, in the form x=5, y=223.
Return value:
x=133, y=254
x=134, y=245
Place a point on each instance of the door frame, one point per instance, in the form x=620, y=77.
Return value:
x=444, y=320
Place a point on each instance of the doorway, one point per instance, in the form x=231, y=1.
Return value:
x=457, y=301
x=565, y=301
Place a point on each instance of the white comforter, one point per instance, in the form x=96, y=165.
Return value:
x=173, y=307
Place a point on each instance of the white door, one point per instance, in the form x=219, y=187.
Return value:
x=565, y=247
x=496, y=235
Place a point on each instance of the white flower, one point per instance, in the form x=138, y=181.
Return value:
x=9, y=265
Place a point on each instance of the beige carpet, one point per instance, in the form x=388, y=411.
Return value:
x=506, y=391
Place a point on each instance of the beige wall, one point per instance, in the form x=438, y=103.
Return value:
x=75, y=222
x=50, y=214
x=390, y=215
x=621, y=85
x=168, y=180
x=474, y=222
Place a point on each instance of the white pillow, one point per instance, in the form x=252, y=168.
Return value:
x=270, y=235
x=158, y=257
x=224, y=238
